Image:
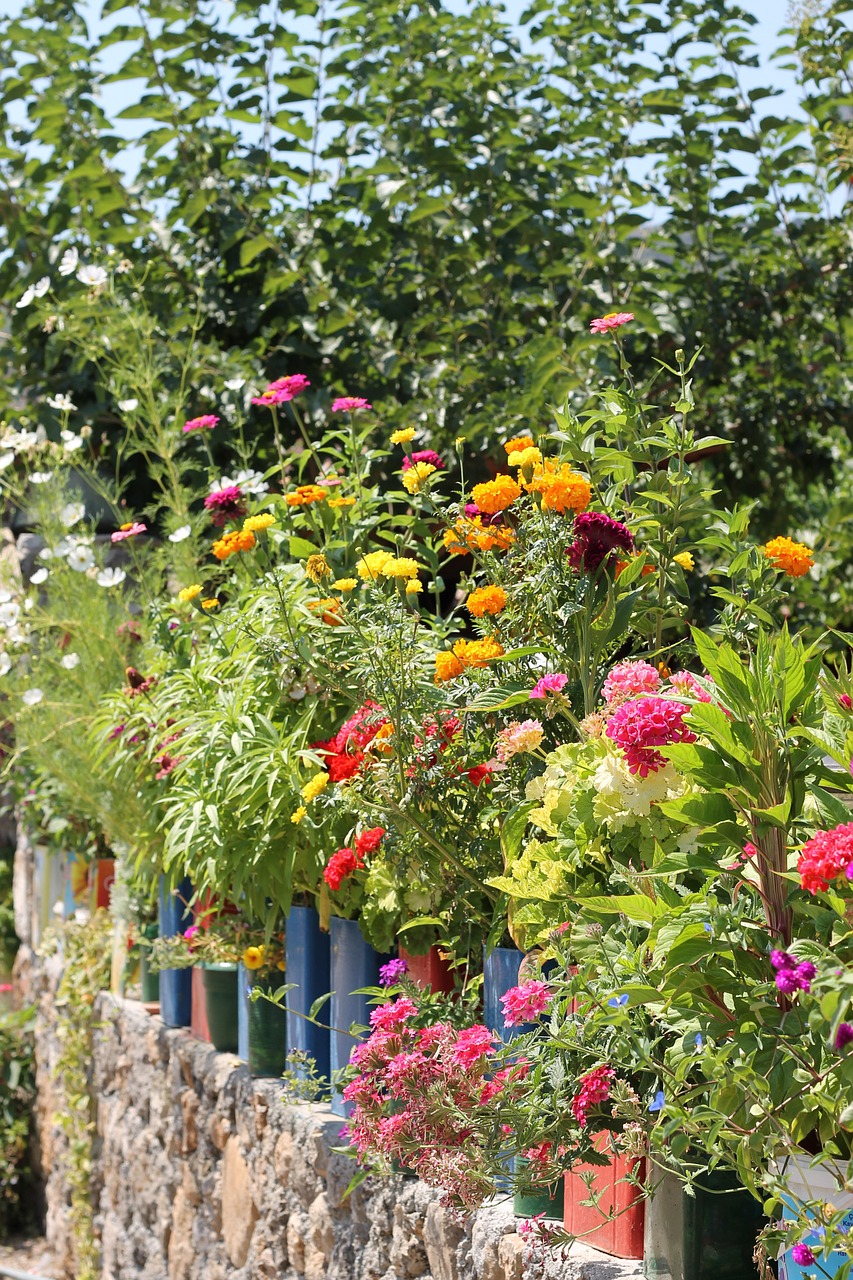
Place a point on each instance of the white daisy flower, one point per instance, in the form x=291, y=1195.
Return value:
x=31, y=697
x=80, y=559
x=70, y=661
x=40, y=576
x=10, y=612
x=128, y=406
x=180, y=534
x=68, y=262
x=111, y=577
x=234, y=384
x=26, y=298
x=40, y=477
x=94, y=277
x=16, y=635
x=5, y=664
x=41, y=287
x=64, y=403
x=6, y=459
x=72, y=513
x=71, y=441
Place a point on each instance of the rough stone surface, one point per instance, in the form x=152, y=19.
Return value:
x=206, y=1174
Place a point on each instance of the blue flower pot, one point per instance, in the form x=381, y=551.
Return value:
x=176, y=985
x=244, y=986
x=307, y=950
x=354, y=964
x=500, y=972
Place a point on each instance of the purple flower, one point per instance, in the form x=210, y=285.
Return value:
x=802, y=1255
x=116, y=732
x=787, y=982
x=658, y=1102
x=843, y=1036
x=391, y=973
x=597, y=538
x=782, y=960
x=792, y=974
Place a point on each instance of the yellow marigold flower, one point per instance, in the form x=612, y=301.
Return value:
x=232, y=542
x=413, y=479
x=345, y=584
x=793, y=558
x=525, y=457
x=370, y=567
x=447, y=666
x=478, y=653
x=517, y=443
x=253, y=957
x=317, y=568
x=403, y=436
x=189, y=593
x=329, y=610
x=212, y=603
x=561, y=488
x=405, y=567
x=469, y=534
x=315, y=786
x=305, y=494
x=257, y=524
x=485, y=600
x=685, y=559
x=414, y=587
x=337, y=503
x=298, y=814
x=496, y=495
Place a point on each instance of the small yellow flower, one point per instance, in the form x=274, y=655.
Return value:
x=256, y=524
x=345, y=584
x=370, y=566
x=459, y=442
x=413, y=479
x=414, y=587
x=189, y=593
x=404, y=436
x=253, y=957
x=317, y=568
x=315, y=786
x=685, y=559
x=402, y=568
x=525, y=458
x=335, y=503
x=298, y=814
x=212, y=603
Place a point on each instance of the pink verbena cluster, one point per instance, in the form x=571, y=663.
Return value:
x=629, y=680
x=826, y=857
x=640, y=727
x=526, y=1003
x=594, y=1088
x=412, y=1085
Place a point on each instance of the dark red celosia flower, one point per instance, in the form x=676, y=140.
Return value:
x=340, y=866
x=225, y=504
x=167, y=763
x=369, y=841
x=596, y=538
x=424, y=455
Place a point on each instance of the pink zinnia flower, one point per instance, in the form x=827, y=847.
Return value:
x=206, y=422
x=225, y=504
x=128, y=531
x=282, y=390
x=472, y=1044
x=426, y=455
x=613, y=320
x=350, y=404
x=549, y=684
x=641, y=726
x=597, y=538
x=526, y=1003
x=628, y=679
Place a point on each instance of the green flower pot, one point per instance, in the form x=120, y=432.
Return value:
x=148, y=981
x=547, y=1199
x=220, y=1003
x=267, y=1032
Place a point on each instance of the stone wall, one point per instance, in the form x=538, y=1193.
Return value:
x=206, y=1174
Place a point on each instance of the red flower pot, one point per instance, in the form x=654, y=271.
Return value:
x=621, y=1236
x=199, y=1025
x=430, y=970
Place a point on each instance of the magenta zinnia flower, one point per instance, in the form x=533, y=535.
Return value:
x=596, y=538
x=350, y=404
x=426, y=455
x=641, y=726
x=225, y=504
x=206, y=422
x=549, y=684
x=282, y=390
x=526, y=1002
x=613, y=320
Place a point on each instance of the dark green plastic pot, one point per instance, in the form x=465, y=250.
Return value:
x=267, y=1032
x=220, y=1005
x=547, y=1199
x=148, y=981
x=709, y=1236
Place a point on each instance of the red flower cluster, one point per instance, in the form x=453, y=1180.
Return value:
x=825, y=857
x=340, y=866
x=640, y=726
x=345, y=751
x=594, y=1088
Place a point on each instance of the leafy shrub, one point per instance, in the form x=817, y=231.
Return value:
x=17, y=1093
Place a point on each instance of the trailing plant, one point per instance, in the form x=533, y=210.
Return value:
x=17, y=1098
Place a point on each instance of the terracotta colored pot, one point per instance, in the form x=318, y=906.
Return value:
x=430, y=970
x=621, y=1236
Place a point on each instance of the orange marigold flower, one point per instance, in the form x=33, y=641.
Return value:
x=519, y=442
x=793, y=558
x=496, y=495
x=644, y=572
x=561, y=488
x=233, y=541
x=447, y=666
x=478, y=653
x=329, y=609
x=306, y=494
x=469, y=534
x=490, y=599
